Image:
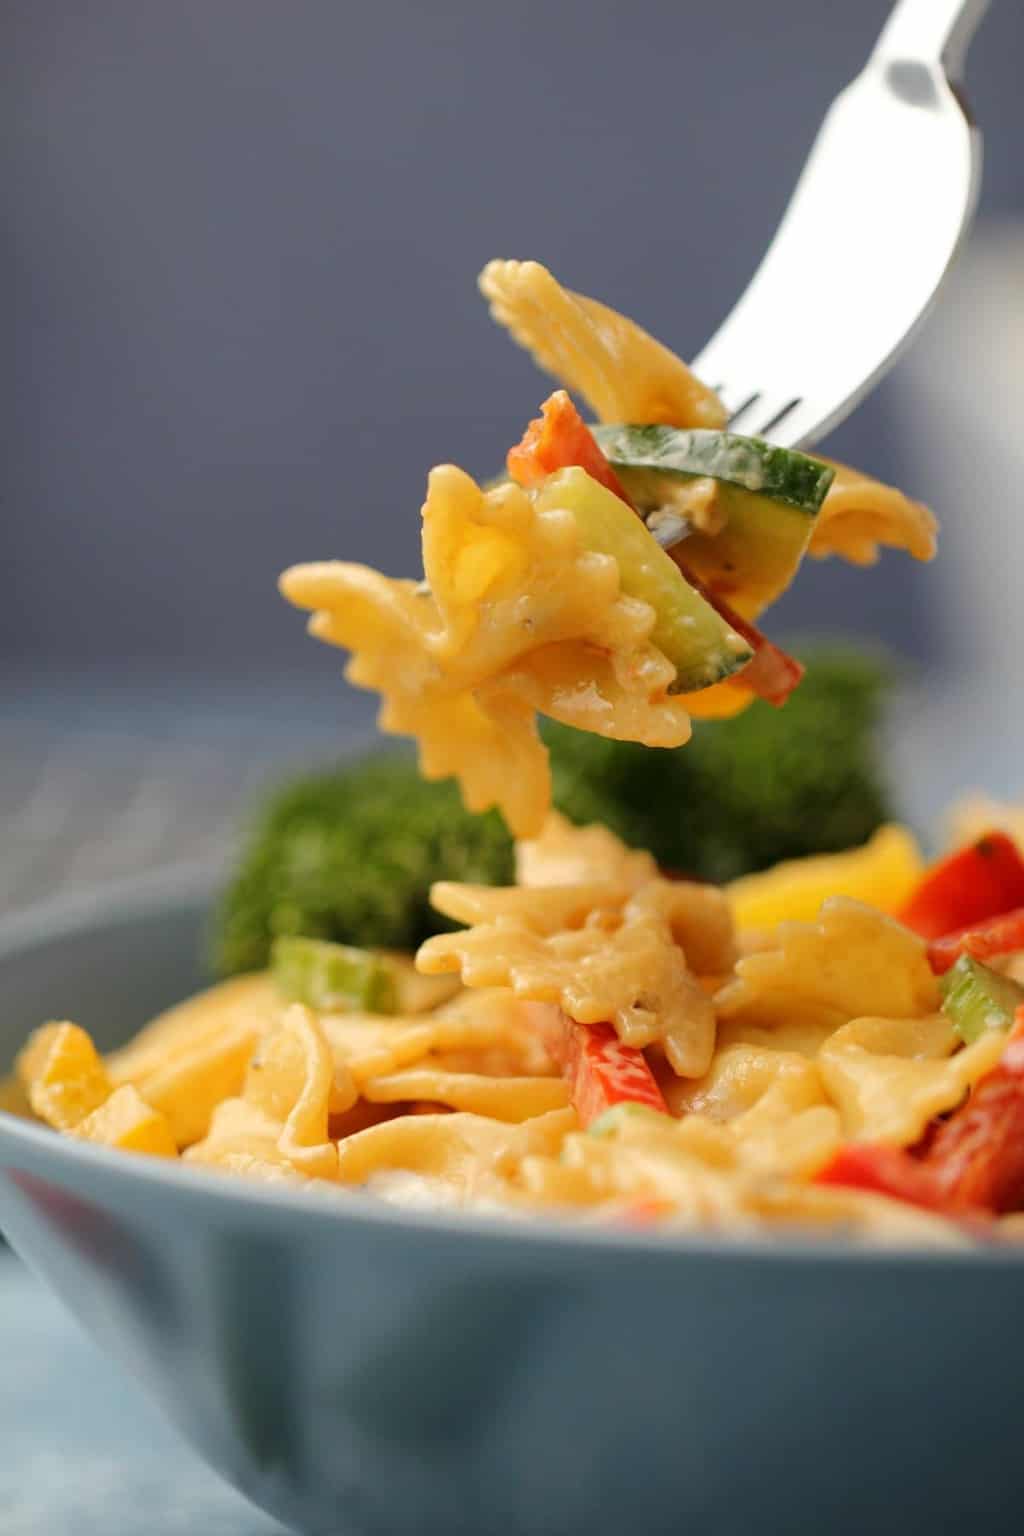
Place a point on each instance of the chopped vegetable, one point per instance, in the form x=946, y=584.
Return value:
x=745, y=508
x=771, y=675
x=561, y=439
x=980, y=881
x=976, y=998
x=557, y=439
x=601, y=1072
x=687, y=454
x=350, y=854
x=880, y=1170
x=700, y=644
x=1000, y=936
x=747, y=792
x=977, y=1155
x=882, y=873
x=334, y=978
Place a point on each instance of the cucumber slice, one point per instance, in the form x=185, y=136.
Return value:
x=334, y=978
x=746, y=539
x=975, y=998
x=699, y=643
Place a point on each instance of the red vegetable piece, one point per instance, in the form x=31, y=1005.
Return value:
x=999, y=936
x=981, y=881
x=600, y=1070
x=772, y=673
x=976, y=1157
x=645, y=1211
x=883, y=1171
x=558, y=439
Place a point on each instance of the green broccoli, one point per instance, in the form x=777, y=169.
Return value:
x=350, y=854
x=744, y=793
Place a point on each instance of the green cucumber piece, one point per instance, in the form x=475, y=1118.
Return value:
x=781, y=474
x=975, y=998
x=765, y=501
x=697, y=640
x=620, y=1114
x=334, y=978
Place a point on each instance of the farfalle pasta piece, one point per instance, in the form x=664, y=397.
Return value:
x=368, y=1046
x=500, y=1098
x=628, y=377
x=860, y=514
x=458, y=1157
x=774, y=1103
x=623, y=968
x=280, y=1122
x=187, y=1060
x=623, y=373
x=515, y=616
x=244, y=1139
x=852, y=962
x=605, y=873
x=891, y=1077
x=564, y=854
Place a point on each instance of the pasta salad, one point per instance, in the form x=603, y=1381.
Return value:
x=837, y=1042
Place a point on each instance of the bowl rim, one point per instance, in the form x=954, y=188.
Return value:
x=193, y=885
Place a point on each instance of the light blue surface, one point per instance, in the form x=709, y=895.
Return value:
x=83, y=1451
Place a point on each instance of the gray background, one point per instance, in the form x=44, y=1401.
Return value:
x=241, y=243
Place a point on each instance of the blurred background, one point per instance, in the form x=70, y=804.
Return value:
x=240, y=259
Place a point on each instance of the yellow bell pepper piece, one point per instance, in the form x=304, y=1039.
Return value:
x=63, y=1075
x=882, y=873
x=128, y=1123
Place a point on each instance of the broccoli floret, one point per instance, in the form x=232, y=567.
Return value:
x=350, y=854
x=743, y=793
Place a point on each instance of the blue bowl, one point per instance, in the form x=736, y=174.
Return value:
x=353, y=1368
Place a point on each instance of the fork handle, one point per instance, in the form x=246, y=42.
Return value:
x=932, y=32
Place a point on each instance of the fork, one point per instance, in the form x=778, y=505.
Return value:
x=878, y=214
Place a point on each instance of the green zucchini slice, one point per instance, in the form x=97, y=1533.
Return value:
x=975, y=998
x=744, y=507
x=702, y=647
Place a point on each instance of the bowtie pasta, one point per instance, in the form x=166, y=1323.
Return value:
x=836, y=1043
x=542, y=595
x=620, y=1047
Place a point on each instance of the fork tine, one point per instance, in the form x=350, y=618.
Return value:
x=735, y=399
x=809, y=337
x=763, y=412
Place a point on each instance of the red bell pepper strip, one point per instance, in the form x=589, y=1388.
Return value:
x=600, y=1071
x=884, y=1171
x=970, y=1167
x=999, y=936
x=645, y=1211
x=559, y=438
x=973, y=884
x=976, y=1157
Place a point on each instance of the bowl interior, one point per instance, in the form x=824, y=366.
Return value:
x=109, y=962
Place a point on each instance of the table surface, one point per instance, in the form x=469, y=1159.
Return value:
x=84, y=1453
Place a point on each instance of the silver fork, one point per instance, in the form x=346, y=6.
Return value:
x=879, y=212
